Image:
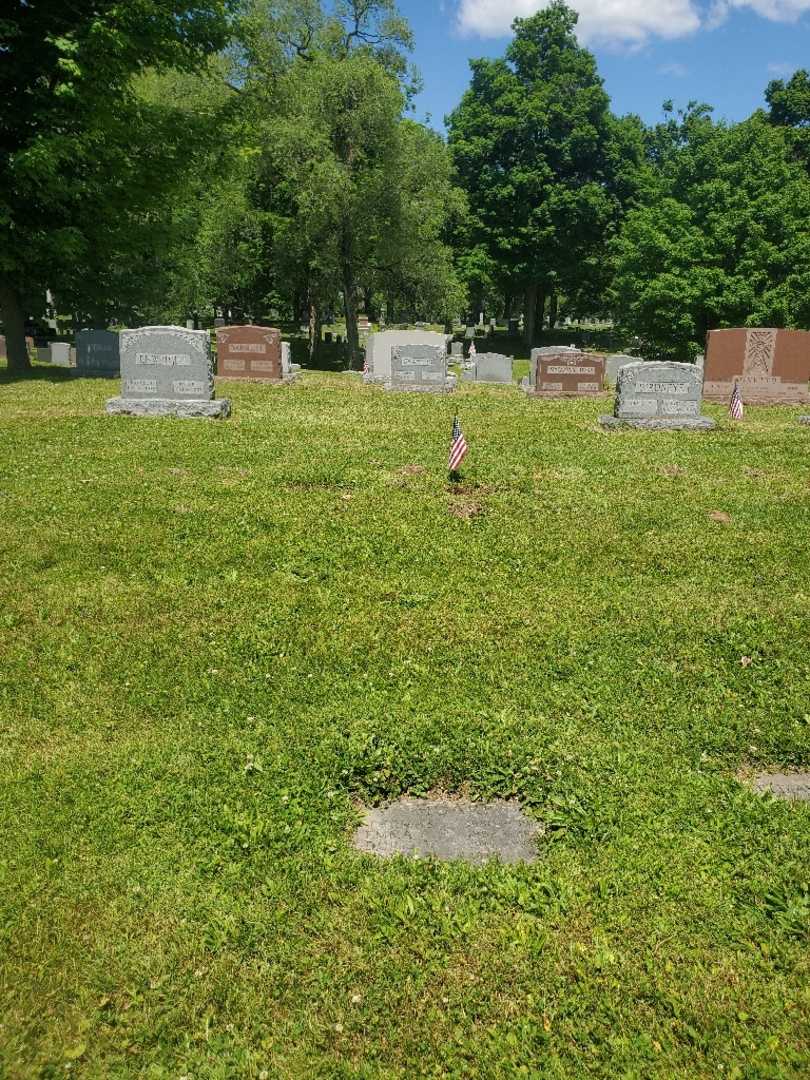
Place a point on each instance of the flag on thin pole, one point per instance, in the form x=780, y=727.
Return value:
x=473, y=351
x=458, y=447
x=735, y=407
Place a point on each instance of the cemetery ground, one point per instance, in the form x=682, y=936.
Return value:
x=218, y=640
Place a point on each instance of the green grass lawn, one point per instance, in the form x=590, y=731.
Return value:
x=218, y=639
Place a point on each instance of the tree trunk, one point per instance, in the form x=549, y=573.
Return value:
x=350, y=309
x=553, y=309
x=13, y=316
x=540, y=317
x=315, y=324
x=529, y=314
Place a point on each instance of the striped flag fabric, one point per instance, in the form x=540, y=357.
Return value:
x=735, y=407
x=458, y=447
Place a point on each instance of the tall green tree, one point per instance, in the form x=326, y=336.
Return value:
x=535, y=147
x=69, y=121
x=721, y=239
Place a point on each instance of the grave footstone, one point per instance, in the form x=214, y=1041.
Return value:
x=379, y=346
x=471, y=831
x=167, y=371
x=98, y=353
x=613, y=363
x=488, y=367
x=565, y=372
x=250, y=352
x=794, y=787
x=650, y=394
x=420, y=368
x=771, y=366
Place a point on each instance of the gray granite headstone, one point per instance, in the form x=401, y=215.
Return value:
x=379, y=346
x=474, y=832
x=613, y=363
x=418, y=367
x=651, y=394
x=491, y=368
x=167, y=371
x=457, y=350
x=98, y=353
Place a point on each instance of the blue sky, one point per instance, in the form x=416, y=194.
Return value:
x=723, y=52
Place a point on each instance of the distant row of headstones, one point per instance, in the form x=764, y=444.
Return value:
x=169, y=370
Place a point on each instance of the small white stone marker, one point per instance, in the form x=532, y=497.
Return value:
x=448, y=829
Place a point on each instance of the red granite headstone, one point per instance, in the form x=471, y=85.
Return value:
x=249, y=352
x=771, y=366
x=569, y=372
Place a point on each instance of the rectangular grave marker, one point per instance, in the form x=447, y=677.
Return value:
x=98, y=353
x=491, y=368
x=418, y=367
x=565, y=372
x=658, y=395
x=167, y=371
x=771, y=366
x=250, y=352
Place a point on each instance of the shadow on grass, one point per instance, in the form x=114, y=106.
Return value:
x=48, y=373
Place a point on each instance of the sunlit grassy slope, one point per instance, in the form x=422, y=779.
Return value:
x=218, y=639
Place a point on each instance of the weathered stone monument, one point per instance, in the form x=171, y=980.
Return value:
x=565, y=372
x=614, y=362
x=771, y=366
x=251, y=352
x=457, y=350
x=380, y=345
x=98, y=353
x=658, y=395
x=487, y=367
x=167, y=371
x=420, y=368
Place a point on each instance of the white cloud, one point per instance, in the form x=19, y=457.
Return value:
x=675, y=69
x=624, y=21
x=630, y=21
x=781, y=70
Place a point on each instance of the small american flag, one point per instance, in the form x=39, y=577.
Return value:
x=735, y=407
x=365, y=362
x=458, y=447
x=473, y=350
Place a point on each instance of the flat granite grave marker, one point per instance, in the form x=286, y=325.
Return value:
x=794, y=787
x=250, y=352
x=474, y=832
x=98, y=353
x=167, y=371
x=490, y=367
x=565, y=372
x=771, y=366
x=420, y=368
x=650, y=394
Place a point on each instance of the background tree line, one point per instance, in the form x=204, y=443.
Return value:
x=260, y=157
